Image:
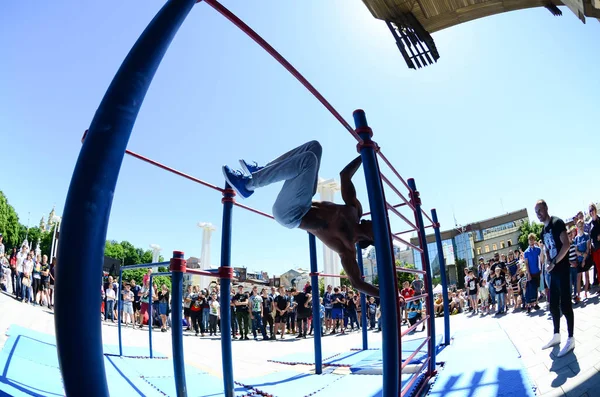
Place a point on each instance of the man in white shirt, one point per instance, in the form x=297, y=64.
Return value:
x=21, y=256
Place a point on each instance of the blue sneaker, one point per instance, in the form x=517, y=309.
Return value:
x=237, y=181
x=250, y=168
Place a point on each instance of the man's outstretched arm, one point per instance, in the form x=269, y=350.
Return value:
x=347, y=187
x=351, y=268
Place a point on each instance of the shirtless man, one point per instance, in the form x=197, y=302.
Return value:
x=338, y=226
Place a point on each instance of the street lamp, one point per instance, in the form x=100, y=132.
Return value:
x=56, y=219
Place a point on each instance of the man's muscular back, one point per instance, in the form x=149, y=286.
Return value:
x=333, y=224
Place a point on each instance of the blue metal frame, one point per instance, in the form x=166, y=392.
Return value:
x=226, y=272
x=150, y=322
x=385, y=260
x=177, y=267
x=314, y=281
x=363, y=301
x=89, y=200
x=427, y=267
x=438, y=240
x=120, y=297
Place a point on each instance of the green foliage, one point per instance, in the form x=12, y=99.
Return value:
x=9, y=223
x=161, y=269
x=402, y=276
x=344, y=281
x=321, y=286
x=525, y=229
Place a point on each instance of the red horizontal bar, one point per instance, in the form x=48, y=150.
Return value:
x=405, y=219
x=409, y=385
x=253, y=210
x=194, y=179
x=408, y=270
x=173, y=170
x=404, y=232
x=428, y=217
x=328, y=275
x=387, y=181
x=418, y=249
x=279, y=58
x=416, y=298
x=395, y=206
x=199, y=272
x=417, y=350
x=413, y=327
x=385, y=160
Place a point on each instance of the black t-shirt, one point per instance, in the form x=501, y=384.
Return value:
x=350, y=304
x=472, y=284
x=551, y=238
x=513, y=267
x=594, y=232
x=337, y=305
x=282, y=301
x=44, y=268
x=163, y=297
x=301, y=300
x=242, y=298
x=501, y=265
x=497, y=281
x=267, y=304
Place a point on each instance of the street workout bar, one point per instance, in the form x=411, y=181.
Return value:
x=395, y=206
x=400, y=239
x=193, y=179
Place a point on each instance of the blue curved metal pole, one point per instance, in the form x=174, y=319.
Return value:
x=416, y=201
x=88, y=204
x=119, y=298
x=385, y=261
x=150, y=321
x=438, y=240
x=363, y=301
x=178, y=268
x=226, y=273
x=314, y=281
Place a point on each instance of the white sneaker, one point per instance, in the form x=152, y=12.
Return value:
x=570, y=345
x=554, y=341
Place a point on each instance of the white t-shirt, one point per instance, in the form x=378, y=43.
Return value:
x=28, y=266
x=214, y=308
x=21, y=256
x=110, y=294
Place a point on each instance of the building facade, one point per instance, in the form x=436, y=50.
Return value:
x=499, y=234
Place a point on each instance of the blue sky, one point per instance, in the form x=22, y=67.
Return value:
x=505, y=117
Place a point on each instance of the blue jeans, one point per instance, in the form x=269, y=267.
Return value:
x=205, y=314
x=257, y=325
x=501, y=301
x=574, y=274
x=299, y=168
x=109, y=310
x=19, y=290
x=25, y=291
x=352, y=318
x=492, y=294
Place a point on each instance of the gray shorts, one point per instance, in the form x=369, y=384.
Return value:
x=127, y=308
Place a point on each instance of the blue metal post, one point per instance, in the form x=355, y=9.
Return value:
x=88, y=204
x=438, y=239
x=119, y=311
x=385, y=261
x=363, y=301
x=226, y=274
x=416, y=201
x=314, y=281
x=178, y=268
x=150, y=302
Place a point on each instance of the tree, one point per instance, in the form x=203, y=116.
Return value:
x=527, y=228
x=403, y=276
x=9, y=223
x=344, y=281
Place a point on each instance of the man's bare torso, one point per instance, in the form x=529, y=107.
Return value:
x=333, y=224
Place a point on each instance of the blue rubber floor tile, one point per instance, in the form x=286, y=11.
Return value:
x=290, y=384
